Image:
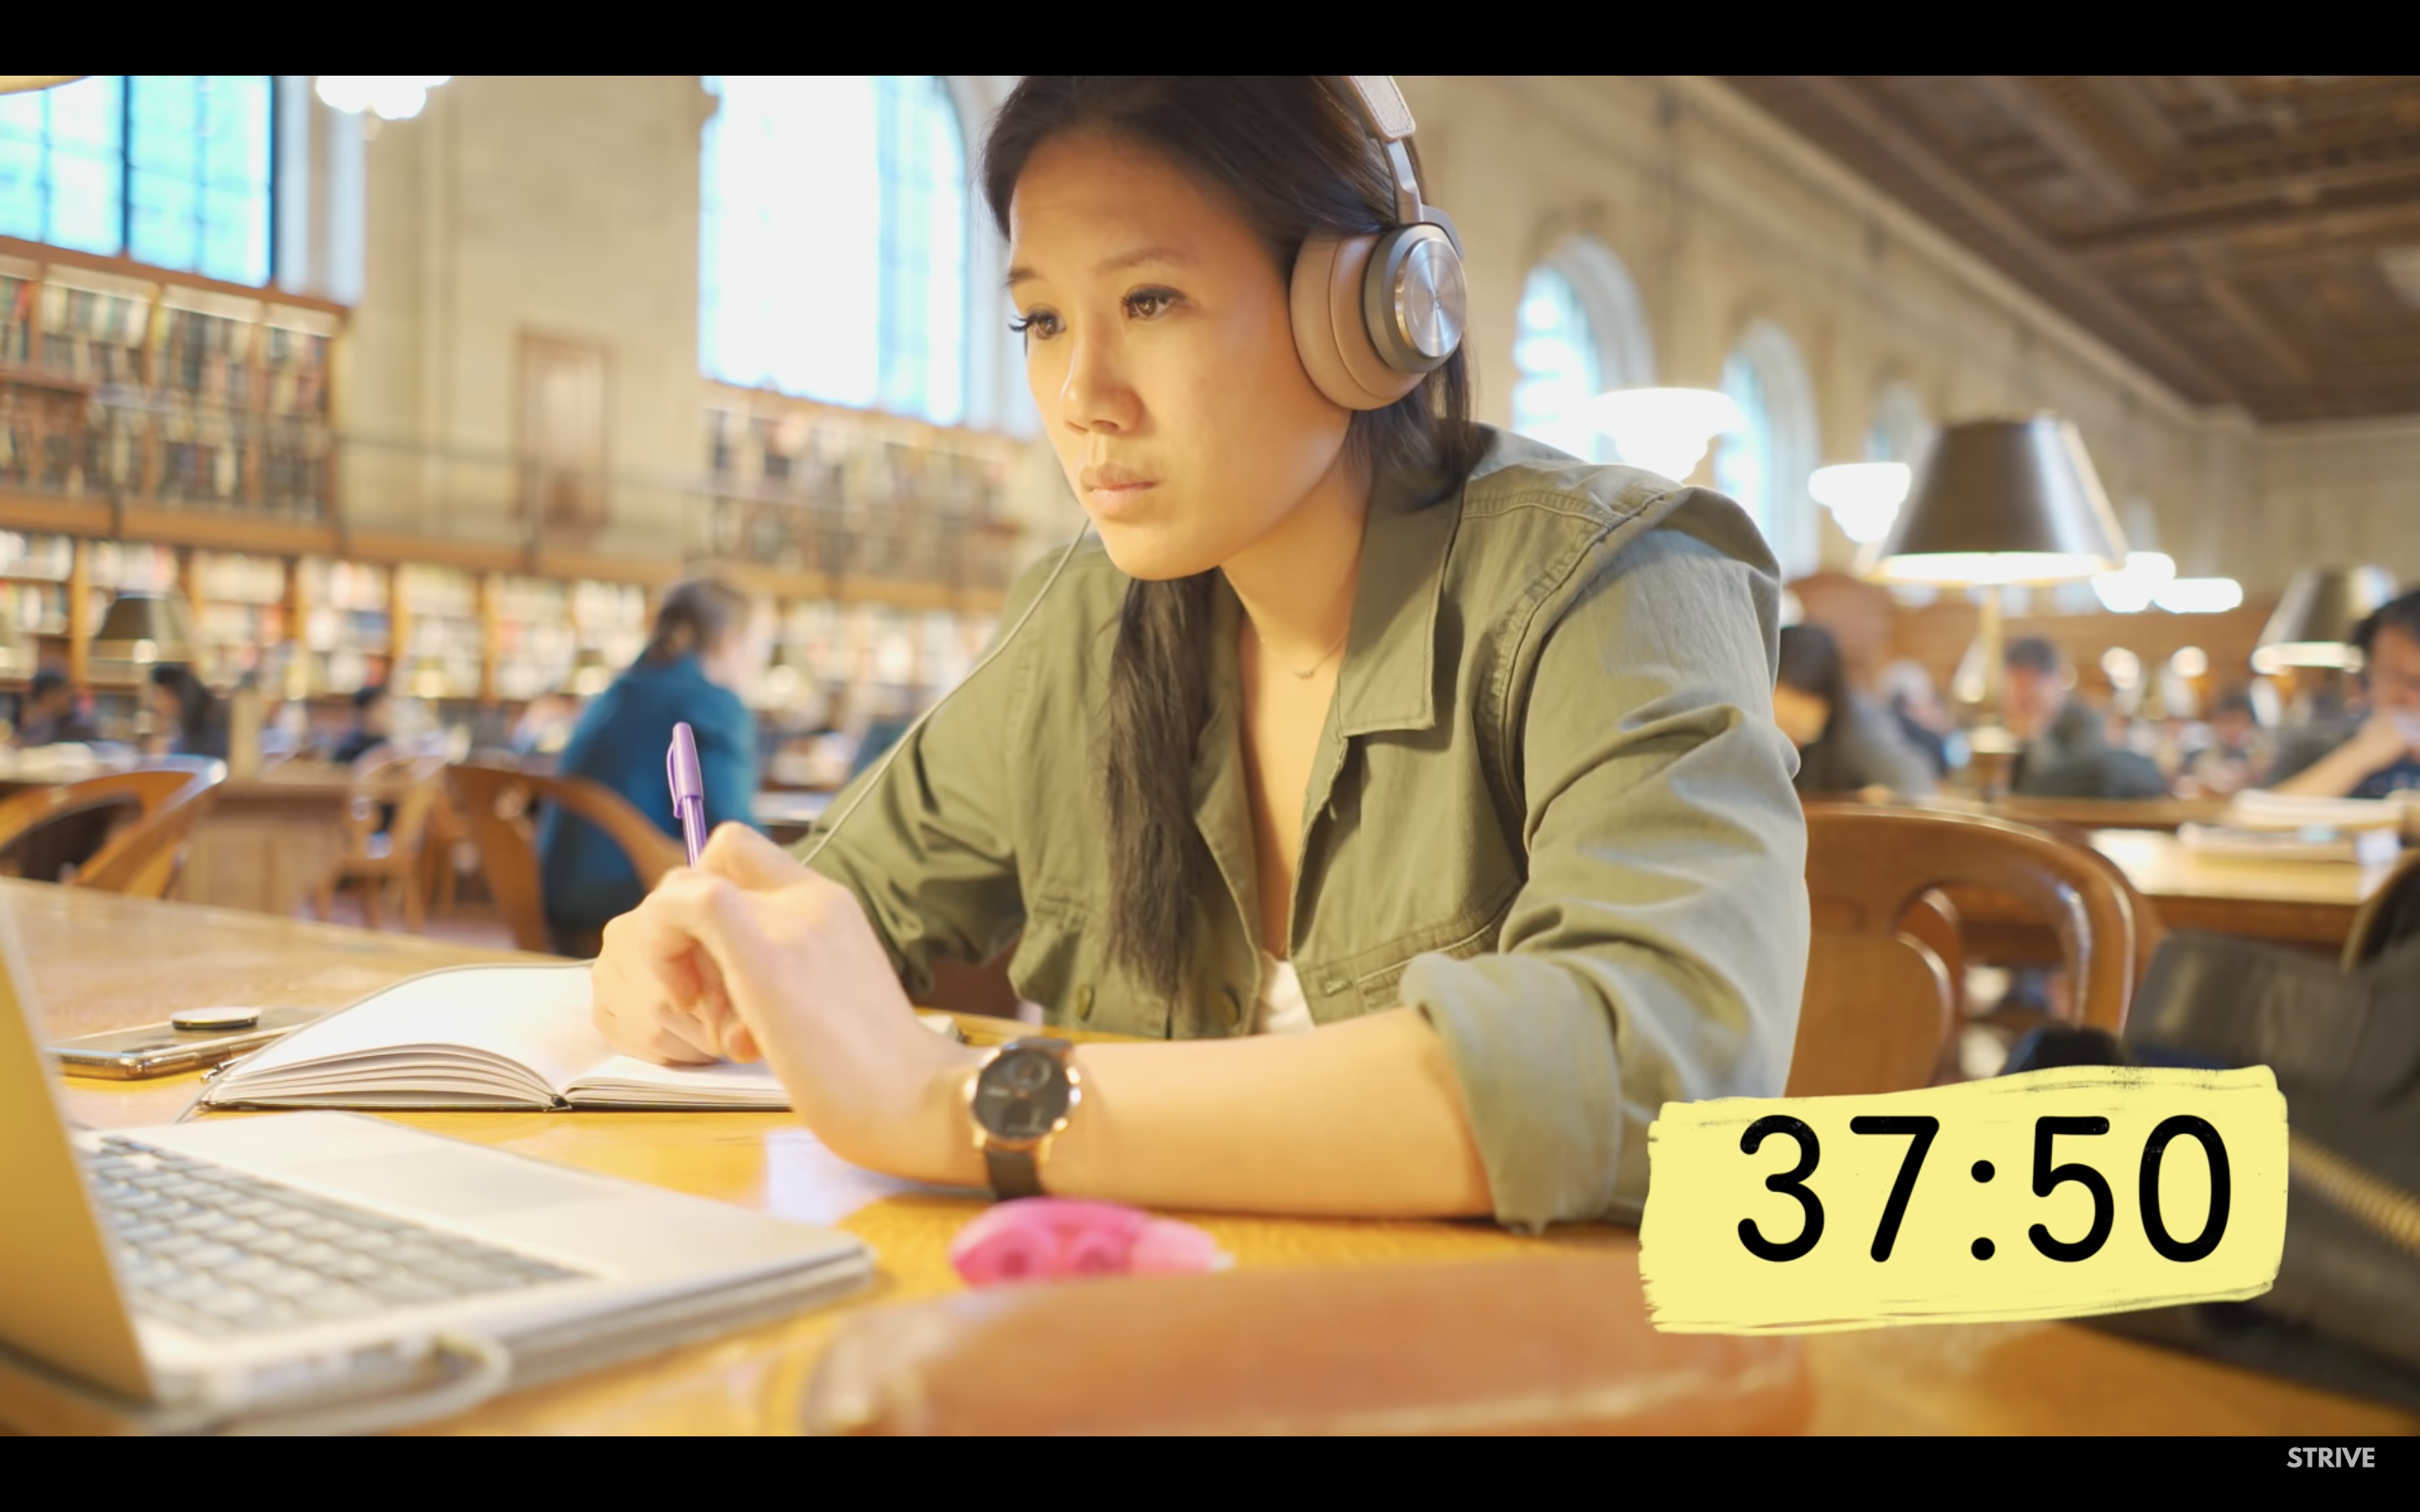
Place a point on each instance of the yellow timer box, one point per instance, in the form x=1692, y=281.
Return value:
x=2053, y=1194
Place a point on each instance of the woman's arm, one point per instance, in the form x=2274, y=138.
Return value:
x=1362, y=1119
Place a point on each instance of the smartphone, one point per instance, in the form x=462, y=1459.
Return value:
x=164, y=1050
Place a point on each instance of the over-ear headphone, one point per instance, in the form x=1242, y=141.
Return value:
x=1375, y=314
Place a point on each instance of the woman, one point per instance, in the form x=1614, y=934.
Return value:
x=706, y=648
x=189, y=720
x=1844, y=744
x=1367, y=718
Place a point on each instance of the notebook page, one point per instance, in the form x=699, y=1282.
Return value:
x=536, y=1017
x=624, y=1079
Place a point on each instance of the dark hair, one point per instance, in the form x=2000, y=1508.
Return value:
x=2235, y=701
x=1292, y=158
x=1810, y=662
x=46, y=682
x=2034, y=654
x=696, y=615
x=367, y=694
x=2403, y=613
x=196, y=708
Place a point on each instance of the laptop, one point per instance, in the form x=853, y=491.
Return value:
x=331, y=1271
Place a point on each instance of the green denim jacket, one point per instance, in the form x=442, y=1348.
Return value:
x=1550, y=809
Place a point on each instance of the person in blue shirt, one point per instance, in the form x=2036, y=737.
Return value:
x=2379, y=754
x=707, y=646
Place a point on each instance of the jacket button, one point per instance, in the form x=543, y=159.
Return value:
x=1084, y=1003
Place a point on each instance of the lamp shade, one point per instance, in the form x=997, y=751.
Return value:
x=2004, y=502
x=140, y=627
x=2313, y=622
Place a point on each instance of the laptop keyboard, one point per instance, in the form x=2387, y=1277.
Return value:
x=221, y=1252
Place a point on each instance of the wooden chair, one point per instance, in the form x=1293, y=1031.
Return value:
x=148, y=815
x=378, y=860
x=2390, y=917
x=1879, y=1004
x=495, y=801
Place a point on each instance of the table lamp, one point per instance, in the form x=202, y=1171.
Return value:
x=2001, y=502
x=143, y=628
x=2313, y=622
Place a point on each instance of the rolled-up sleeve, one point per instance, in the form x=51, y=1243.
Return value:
x=1657, y=949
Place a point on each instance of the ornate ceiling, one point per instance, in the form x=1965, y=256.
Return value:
x=2252, y=239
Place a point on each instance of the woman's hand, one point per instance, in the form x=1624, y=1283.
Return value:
x=750, y=954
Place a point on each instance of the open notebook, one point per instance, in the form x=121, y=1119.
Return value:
x=481, y=1037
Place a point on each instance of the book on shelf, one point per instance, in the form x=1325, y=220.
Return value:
x=509, y=1037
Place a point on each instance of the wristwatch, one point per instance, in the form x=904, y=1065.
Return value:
x=1019, y=1100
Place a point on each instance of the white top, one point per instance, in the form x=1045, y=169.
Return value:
x=1282, y=1009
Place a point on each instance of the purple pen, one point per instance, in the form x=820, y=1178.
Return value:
x=689, y=789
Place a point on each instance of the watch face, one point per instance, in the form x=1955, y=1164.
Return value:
x=1021, y=1095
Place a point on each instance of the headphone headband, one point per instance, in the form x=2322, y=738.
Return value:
x=1379, y=104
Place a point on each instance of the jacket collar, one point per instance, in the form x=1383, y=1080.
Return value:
x=1387, y=680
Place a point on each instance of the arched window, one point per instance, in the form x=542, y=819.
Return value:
x=1899, y=430
x=1581, y=333
x=832, y=244
x=173, y=170
x=1767, y=464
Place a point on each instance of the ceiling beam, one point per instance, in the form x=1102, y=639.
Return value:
x=2045, y=122
x=2229, y=300
x=2282, y=238
x=2021, y=250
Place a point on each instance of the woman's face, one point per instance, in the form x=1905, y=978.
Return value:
x=1160, y=350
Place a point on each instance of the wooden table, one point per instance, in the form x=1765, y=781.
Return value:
x=101, y=962
x=787, y=814
x=265, y=840
x=2305, y=904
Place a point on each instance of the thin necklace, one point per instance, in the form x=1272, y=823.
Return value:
x=1304, y=674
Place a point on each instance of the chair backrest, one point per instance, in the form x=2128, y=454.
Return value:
x=143, y=859
x=496, y=802
x=1877, y=1009
x=143, y=792
x=411, y=783
x=2390, y=917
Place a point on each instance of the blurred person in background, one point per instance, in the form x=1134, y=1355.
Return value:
x=2375, y=751
x=2067, y=751
x=708, y=647
x=373, y=725
x=51, y=713
x=1845, y=745
x=1915, y=706
x=188, y=718
x=2234, y=754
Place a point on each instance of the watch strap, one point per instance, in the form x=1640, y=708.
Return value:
x=1013, y=1173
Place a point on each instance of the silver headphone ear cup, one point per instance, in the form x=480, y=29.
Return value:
x=1413, y=303
x=1331, y=334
